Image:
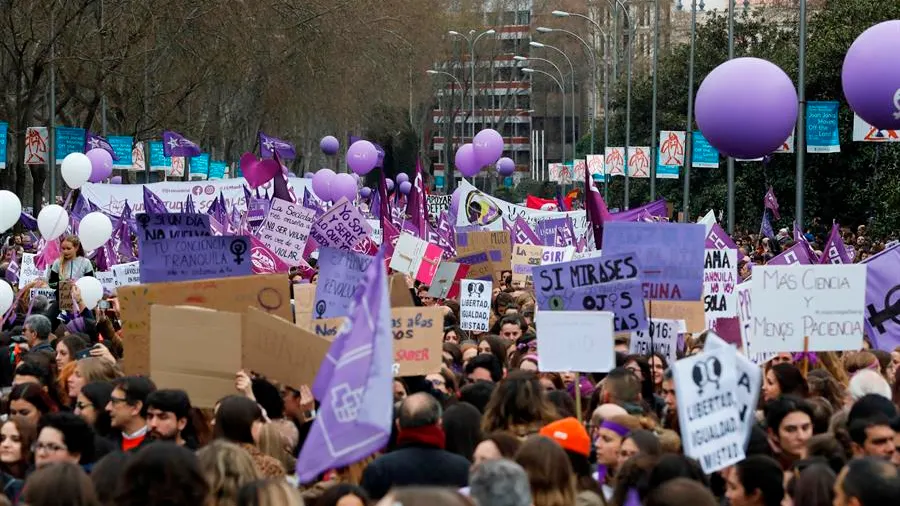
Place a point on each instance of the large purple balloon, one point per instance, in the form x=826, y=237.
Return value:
x=115, y=180
x=389, y=184
x=488, y=146
x=746, y=107
x=465, y=161
x=365, y=192
x=329, y=145
x=101, y=164
x=343, y=185
x=402, y=177
x=362, y=157
x=871, y=75
x=405, y=187
x=321, y=183
x=506, y=166
x=454, y=203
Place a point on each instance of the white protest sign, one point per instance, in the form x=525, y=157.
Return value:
x=711, y=428
x=822, y=302
x=286, y=230
x=581, y=341
x=127, y=274
x=719, y=282
x=107, y=279
x=742, y=293
x=474, y=305
x=377, y=233
x=46, y=292
x=660, y=337
x=556, y=254
x=594, y=253
x=749, y=383
x=28, y=272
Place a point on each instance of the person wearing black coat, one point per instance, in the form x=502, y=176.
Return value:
x=420, y=458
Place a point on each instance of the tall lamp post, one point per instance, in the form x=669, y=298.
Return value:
x=472, y=39
x=628, y=60
x=689, y=134
x=562, y=90
x=561, y=78
x=453, y=120
x=572, y=73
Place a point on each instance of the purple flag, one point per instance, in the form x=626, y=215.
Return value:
x=152, y=202
x=247, y=196
x=221, y=213
x=28, y=221
x=94, y=141
x=121, y=240
x=835, y=252
x=717, y=238
x=771, y=203
x=560, y=202
x=175, y=144
x=796, y=254
x=595, y=207
x=12, y=270
x=765, y=227
x=354, y=383
x=882, y=303
x=653, y=211
x=189, y=205
x=269, y=145
x=281, y=188
x=80, y=208
x=524, y=234
x=416, y=210
x=800, y=238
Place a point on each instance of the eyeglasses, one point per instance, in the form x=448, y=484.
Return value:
x=117, y=400
x=48, y=447
x=82, y=405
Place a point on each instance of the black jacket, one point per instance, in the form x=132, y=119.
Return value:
x=415, y=465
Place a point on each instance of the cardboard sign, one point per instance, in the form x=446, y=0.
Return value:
x=660, y=337
x=581, y=341
x=28, y=272
x=671, y=256
x=445, y=284
x=194, y=349
x=342, y=227
x=416, y=257
x=165, y=226
x=65, y=295
x=280, y=350
x=286, y=230
x=327, y=328
x=706, y=385
x=269, y=293
x=304, y=298
x=474, y=305
x=400, y=294
x=822, y=302
x=486, y=240
x=719, y=281
x=610, y=283
x=418, y=334
x=189, y=258
x=127, y=274
x=480, y=266
x=749, y=384
x=340, y=273
x=524, y=259
x=690, y=311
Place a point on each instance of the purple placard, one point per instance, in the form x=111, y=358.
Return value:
x=164, y=226
x=257, y=209
x=608, y=283
x=480, y=259
x=342, y=227
x=671, y=256
x=191, y=258
x=547, y=228
x=340, y=272
x=719, y=239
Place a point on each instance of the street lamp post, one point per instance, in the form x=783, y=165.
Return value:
x=472, y=39
x=689, y=134
x=561, y=78
x=628, y=60
x=572, y=71
x=563, y=92
x=451, y=182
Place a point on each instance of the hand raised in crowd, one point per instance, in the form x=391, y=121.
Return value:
x=102, y=352
x=244, y=385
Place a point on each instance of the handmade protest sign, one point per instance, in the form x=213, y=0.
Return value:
x=474, y=305
x=304, y=298
x=711, y=427
x=719, y=282
x=479, y=264
x=882, y=301
x=65, y=295
x=749, y=384
x=525, y=258
x=188, y=258
x=487, y=241
x=556, y=254
x=28, y=271
x=46, y=292
x=327, y=327
x=688, y=311
x=609, y=283
x=821, y=302
x=671, y=256
x=581, y=341
x=257, y=209
x=745, y=318
x=165, y=226
x=107, y=279
x=340, y=272
x=417, y=258
x=127, y=274
x=445, y=284
x=418, y=332
x=661, y=336
x=438, y=203
x=342, y=227
x=286, y=229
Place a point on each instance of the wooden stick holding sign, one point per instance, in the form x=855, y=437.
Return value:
x=805, y=355
x=578, y=396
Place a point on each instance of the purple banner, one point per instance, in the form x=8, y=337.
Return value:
x=798, y=254
x=340, y=272
x=719, y=239
x=342, y=227
x=882, y=314
x=191, y=258
x=609, y=283
x=656, y=209
x=670, y=254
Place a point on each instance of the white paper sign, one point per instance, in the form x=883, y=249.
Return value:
x=286, y=229
x=742, y=294
x=127, y=274
x=580, y=341
x=107, y=279
x=408, y=254
x=474, y=304
x=556, y=254
x=28, y=272
x=719, y=282
x=661, y=337
x=749, y=384
x=377, y=234
x=711, y=428
x=46, y=292
x=443, y=280
x=822, y=302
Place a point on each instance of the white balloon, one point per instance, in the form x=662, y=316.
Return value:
x=94, y=230
x=91, y=291
x=6, y=297
x=52, y=221
x=10, y=210
x=76, y=169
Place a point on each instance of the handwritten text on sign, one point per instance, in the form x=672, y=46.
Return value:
x=745, y=312
x=719, y=281
x=191, y=258
x=342, y=227
x=417, y=340
x=474, y=305
x=171, y=226
x=609, y=283
x=340, y=272
x=286, y=229
x=660, y=337
x=822, y=302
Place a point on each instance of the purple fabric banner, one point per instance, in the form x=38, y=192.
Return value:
x=175, y=144
x=94, y=141
x=796, y=254
x=835, y=252
x=882, y=313
x=771, y=203
x=717, y=238
x=523, y=233
x=152, y=202
x=269, y=145
x=191, y=258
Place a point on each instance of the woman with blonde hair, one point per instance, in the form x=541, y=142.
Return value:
x=549, y=472
x=71, y=265
x=88, y=370
x=271, y=442
x=227, y=467
x=518, y=405
x=274, y=492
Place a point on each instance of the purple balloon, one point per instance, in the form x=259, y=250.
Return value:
x=365, y=192
x=488, y=146
x=389, y=184
x=506, y=166
x=329, y=145
x=362, y=157
x=871, y=76
x=402, y=177
x=308, y=175
x=454, y=203
x=405, y=187
x=746, y=107
x=116, y=180
x=465, y=161
x=101, y=164
x=321, y=183
x=343, y=185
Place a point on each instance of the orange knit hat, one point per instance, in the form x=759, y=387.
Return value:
x=570, y=434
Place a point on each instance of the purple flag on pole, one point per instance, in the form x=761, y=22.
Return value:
x=771, y=203
x=883, y=299
x=189, y=205
x=560, y=202
x=80, y=208
x=354, y=383
x=12, y=270
x=524, y=234
x=269, y=145
x=28, y=221
x=416, y=210
x=175, y=144
x=796, y=254
x=717, y=238
x=94, y=141
x=765, y=227
x=152, y=202
x=835, y=251
x=801, y=239
x=595, y=207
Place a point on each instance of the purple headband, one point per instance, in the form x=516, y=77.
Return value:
x=621, y=430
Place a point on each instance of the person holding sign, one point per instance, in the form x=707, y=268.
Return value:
x=71, y=265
